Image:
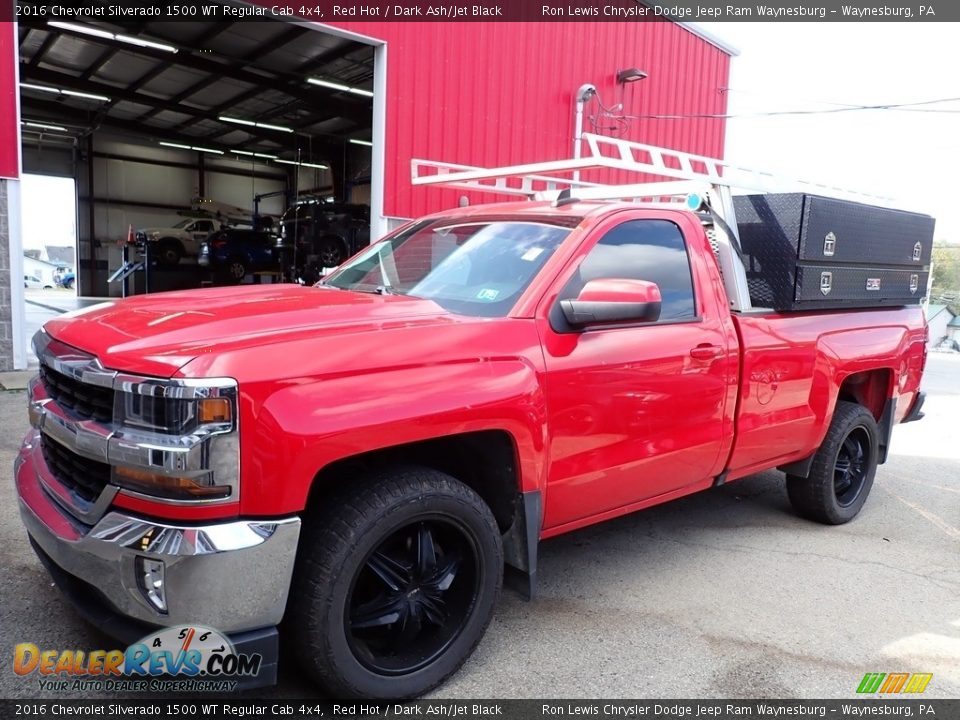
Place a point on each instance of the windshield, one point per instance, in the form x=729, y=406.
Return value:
x=475, y=268
x=182, y=224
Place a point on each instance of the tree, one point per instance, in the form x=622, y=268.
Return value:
x=946, y=276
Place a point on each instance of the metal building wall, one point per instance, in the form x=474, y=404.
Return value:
x=503, y=93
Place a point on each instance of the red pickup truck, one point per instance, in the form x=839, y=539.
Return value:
x=367, y=459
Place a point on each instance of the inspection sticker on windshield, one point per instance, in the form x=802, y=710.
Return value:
x=531, y=254
x=488, y=294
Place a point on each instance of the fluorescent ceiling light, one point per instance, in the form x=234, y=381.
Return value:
x=58, y=91
x=74, y=93
x=43, y=88
x=355, y=141
x=129, y=39
x=145, y=43
x=338, y=86
x=85, y=29
x=251, y=123
x=265, y=126
x=327, y=84
x=43, y=126
x=304, y=164
x=238, y=121
x=191, y=147
x=254, y=154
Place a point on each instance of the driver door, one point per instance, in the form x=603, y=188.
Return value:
x=637, y=411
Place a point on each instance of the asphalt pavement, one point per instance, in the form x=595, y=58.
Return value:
x=724, y=594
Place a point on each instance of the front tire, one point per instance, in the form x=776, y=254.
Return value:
x=842, y=471
x=395, y=585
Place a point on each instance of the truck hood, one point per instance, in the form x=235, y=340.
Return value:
x=158, y=334
x=162, y=231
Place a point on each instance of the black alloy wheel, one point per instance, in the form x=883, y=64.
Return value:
x=330, y=253
x=397, y=576
x=842, y=471
x=851, y=466
x=411, y=597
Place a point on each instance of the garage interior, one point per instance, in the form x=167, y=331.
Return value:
x=263, y=127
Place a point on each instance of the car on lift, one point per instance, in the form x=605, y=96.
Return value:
x=322, y=234
x=232, y=253
x=168, y=245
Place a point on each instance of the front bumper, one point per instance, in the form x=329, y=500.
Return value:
x=233, y=576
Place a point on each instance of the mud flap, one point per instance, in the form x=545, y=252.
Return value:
x=520, y=545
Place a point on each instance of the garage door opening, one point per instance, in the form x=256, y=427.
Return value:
x=235, y=152
x=49, y=207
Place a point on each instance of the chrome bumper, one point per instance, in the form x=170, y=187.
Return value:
x=232, y=576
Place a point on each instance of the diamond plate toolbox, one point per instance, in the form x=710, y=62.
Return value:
x=806, y=252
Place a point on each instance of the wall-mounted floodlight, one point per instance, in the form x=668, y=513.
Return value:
x=630, y=75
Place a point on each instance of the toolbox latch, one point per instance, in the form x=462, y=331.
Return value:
x=826, y=282
x=829, y=244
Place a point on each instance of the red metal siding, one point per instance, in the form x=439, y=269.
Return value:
x=9, y=121
x=503, y=93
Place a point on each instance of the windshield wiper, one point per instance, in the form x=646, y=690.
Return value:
x=384, y=290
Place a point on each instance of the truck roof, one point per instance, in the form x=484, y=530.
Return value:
x=538, y=209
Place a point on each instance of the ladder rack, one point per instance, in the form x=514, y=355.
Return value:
x=689, y=177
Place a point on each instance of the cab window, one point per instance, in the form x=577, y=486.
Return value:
x=652, y=250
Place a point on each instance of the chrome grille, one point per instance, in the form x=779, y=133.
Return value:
x=86, y=477
x=83, y=399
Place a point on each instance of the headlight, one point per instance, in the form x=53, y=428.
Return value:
x=178, y=437
x=155, y=235
x=163, y=409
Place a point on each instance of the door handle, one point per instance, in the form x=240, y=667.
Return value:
x=706, y=352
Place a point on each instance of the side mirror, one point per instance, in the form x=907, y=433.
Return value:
x=611, y=301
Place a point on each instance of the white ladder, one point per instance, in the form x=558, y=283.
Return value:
x=691, y=176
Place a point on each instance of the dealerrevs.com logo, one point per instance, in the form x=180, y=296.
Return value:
x=182, y=658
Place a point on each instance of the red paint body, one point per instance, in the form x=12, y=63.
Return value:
x=495, y=94
x=603, y=422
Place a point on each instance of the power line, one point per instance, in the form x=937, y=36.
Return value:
x=907, y=107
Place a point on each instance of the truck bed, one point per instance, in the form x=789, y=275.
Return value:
x=795, y=366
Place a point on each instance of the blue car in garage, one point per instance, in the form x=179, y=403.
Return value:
x=234, y=253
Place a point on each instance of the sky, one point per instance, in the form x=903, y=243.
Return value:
x=49, y=211
x=910, y=155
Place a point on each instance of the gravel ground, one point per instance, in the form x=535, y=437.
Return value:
x=722, y=594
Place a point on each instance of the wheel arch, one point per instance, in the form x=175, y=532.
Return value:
x=170, y=240
x=873, y=389
x=487, y=461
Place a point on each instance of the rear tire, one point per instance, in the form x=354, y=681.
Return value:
x=842, y=471
x=395, y=585
x=235, y=270
x=331, y=252
x=168, y=252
